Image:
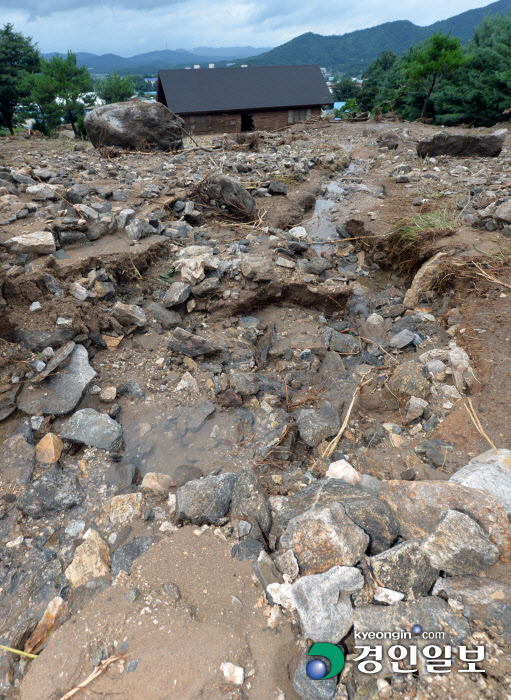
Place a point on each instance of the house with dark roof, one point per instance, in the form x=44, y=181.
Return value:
x=262, y=98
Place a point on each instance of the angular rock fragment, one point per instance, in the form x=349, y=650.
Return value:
x=129, y=314
x=250, y=503
x=54, y=491
x=60, y=392
x=177, y=293
x=322, y=539
x=405, y=568
x=37, y=243
x=124, y=557
x=464, y=145
x=407, y=380
x=94, y=429
x=322, y=602
x=17, y=459
x=205, y=500
x=191, y=345
x=490, y=472
x=91, y=560
x=458, y=545
x=225, y=191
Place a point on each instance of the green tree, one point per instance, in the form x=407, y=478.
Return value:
x=40, y=101
x=432, y=61
x=71, y=85
x=345, y=89
x=373, y=79
x=18, y=58
x=480, y=91
x=114, y=88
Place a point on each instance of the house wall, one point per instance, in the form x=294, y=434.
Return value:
x=231, y=122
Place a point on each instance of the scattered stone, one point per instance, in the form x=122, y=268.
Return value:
x=94, y=429
x=129, y=314
x=191, y=345
x=154, y=481
x=405, y=568
x=415, y=408
x=17, y=459
x=37, y=243
x=233, y=674
x=49, y=449
x=402, y=339
x=167, y=319
x=407, y=380
x=250, y=503
x=60, y=393
x=108, y=394
x=322, y=602
x=458, y=545
x=287, y=565
x=91, y=560
x=343, y=470
x=124, y=508
x=53, y=492
x=227, y=192
x=206, y=500
x=321, y=539
x=315, y=426
x=177, y=293
x=124, y=557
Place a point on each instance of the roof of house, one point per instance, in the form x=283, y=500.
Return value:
x=235, y=89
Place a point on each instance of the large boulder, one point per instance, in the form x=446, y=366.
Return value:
x=221, y=191
x=135, y=125
x=465, y=145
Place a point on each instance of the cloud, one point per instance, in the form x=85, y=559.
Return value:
x=126, y=27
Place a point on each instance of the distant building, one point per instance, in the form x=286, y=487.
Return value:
x=231, y=100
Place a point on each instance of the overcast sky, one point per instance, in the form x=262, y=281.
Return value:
x=128, y=27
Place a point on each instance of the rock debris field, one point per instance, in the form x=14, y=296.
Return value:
x=254, y=395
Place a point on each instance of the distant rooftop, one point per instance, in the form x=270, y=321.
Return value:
x=234, y=89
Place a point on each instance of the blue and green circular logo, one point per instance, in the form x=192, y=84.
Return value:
x=316, y=669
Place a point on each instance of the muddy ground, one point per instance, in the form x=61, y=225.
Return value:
x=188, y=601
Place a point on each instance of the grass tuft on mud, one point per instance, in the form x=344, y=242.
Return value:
x=409, y=245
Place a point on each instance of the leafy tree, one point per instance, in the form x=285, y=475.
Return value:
x=71, y=85
x=373, y=78
x=40, y=101
x=18, y=58
x=480, y=91
x=345, y=89
x=114, y=88
x=349, y=109
x=432, y=61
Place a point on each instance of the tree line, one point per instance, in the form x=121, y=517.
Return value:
x=440, y=79
x=52, y=91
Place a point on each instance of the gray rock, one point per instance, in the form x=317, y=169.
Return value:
x=206, y=288
x=226, y=191
x=277, y=187
x=121, y=474
x=323, y=603
x=322, y=539
x=286, y=563
x=402, y=339
x=366, y=511
x=17, y=459
x=94, y=429
x=486, y=601
x=131, y=388
x=343, y=343
x=129, y=314
x=490, y=472
x=257, y=268
x=317, y=425
x=503, y=212
x=266, y=572
x=245, y=383
x=36, y=243
x=40, y=340
x=192, y=345
x=464, y=145
x=316, y=266
x=206, y=500
x=177, y=293
x=185, y=473
x=55, y=491
x=167, y=319
x=407, y=380
x=309, y=689
x=250, y=503
x=59, y=393
x=123, y=558
x=458, y=545
x=135, y=125
x=405, y=568
x=138, y=229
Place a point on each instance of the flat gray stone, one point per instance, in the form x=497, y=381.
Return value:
x=458, y=545
x=59, y=393
x=315, y=426
x=53, y=492
x=490, y=472
x=17, y=459
x=93, y=429
x=250, y=503
x=402, y=339
x=168, y=319
x=191, y=345
x=205, y=500
x=177, y=293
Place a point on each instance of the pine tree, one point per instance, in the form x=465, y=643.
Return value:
x=18, y=58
